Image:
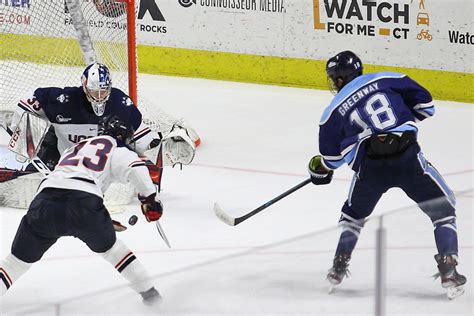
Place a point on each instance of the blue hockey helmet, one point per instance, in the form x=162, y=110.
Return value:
x=97, y=85
x=113, y=126
x=342, y=69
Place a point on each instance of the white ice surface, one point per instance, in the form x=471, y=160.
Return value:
x=256, y=142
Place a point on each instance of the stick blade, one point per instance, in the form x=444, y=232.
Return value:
x=162, y=234
x=223, y=216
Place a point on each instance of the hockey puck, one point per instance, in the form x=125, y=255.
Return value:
x=132, y=220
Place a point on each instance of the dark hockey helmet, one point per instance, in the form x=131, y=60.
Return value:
x=113, y=126
x=342, y=69
x=97, y=85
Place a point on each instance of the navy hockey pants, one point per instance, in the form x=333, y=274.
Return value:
x=55, y=213
x=410, y=172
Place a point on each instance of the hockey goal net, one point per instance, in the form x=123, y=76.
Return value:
x=49, y=43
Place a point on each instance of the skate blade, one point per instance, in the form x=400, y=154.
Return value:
x=455, y=291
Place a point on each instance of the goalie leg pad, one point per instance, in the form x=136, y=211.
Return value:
x=127, y=264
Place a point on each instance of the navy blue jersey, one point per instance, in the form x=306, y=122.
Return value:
x=73, y=119
x=370, y=104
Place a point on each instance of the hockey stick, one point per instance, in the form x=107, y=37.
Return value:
x=233, y=221
x=162, y=233
x=9, y=174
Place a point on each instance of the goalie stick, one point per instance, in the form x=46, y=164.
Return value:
x=233, y=221
x=9, y=174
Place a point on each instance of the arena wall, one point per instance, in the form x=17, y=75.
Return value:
x=286, y=42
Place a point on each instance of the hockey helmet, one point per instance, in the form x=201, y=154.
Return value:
x=113, y=126
x=97, y=85
x=342, y=69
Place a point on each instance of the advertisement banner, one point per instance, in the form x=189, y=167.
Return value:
x=427, y=34
x=424, y=34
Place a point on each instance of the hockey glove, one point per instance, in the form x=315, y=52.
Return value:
x=178, y=147
x=151, y=208
x=318, y=172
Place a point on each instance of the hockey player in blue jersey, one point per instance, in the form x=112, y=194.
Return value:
x=371, y=126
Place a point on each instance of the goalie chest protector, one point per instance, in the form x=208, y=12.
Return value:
x=72, y=116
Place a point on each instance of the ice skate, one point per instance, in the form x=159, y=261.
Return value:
x=338, y=271
x=450, y=278
x=151, y=297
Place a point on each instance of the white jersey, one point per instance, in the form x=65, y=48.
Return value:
x=93, y=164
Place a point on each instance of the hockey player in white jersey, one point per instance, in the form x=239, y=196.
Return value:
x=69, y=202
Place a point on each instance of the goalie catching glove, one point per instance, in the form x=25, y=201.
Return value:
x=318, y=172
x=151, y=208
x=178, y=147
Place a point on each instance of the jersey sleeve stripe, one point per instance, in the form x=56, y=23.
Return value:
x=428, y=112
x=137, y=164
x=141, y=133
x=423, y=105
x=25, y=106
x=333, y=157
x=136, y=161
x=334, y=162
x=408, y=126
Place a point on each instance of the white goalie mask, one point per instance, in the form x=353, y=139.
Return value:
x=97, y=85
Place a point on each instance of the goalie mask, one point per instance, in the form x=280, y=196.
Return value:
x=111, y=125
x=97, y=85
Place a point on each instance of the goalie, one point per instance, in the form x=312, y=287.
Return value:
x=74, y=113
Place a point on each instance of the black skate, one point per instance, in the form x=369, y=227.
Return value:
x=151, y=297
x=338, y=271
x=450, y=278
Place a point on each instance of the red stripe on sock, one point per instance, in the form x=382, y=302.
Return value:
x=6, y=274
x=124, y=258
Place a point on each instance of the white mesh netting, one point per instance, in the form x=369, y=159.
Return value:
x=49, y=43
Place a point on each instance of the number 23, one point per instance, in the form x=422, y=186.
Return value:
x=102, y=153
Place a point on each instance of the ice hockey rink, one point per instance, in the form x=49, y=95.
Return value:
x=256, y=143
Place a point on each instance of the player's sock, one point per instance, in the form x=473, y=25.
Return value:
x=124, y=260
x=446, y=235
x=11, y=269
x=350, y=234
